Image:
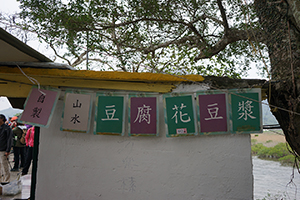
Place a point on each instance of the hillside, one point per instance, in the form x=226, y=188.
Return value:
x=268, y=117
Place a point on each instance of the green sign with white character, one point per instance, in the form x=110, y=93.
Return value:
x=179, y=115
x=246, y=111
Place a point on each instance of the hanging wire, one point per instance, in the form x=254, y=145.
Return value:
x=32, y=80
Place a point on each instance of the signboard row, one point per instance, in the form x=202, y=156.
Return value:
x=199, y=113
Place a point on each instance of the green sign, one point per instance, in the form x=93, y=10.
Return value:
x=246, y=111
x=179, y=115
x=109, y=115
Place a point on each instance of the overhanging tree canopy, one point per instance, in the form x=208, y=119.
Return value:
x=137, y=35
x=174, y=35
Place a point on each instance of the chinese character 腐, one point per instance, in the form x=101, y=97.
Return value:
x=213, y=112
x=143, y=114
x=245, y=109
x=110, y=113
x=181, y=115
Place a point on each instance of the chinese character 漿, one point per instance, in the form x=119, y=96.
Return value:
x=245, y=110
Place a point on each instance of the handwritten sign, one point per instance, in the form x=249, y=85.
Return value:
x=76, y=113
x=39, y=106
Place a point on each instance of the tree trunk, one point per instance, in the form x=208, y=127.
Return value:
x=283, y=41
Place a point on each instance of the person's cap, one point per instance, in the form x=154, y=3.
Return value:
x=14, y=118
x=28, y=126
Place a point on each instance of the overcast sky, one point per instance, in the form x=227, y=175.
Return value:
x=9, y=6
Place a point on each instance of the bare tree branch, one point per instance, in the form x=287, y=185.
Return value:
x=223, y=14
x=233, y=36
x=79, y=59
x=116, y=25
x=55, y=52
x=114, y=39
x=176, y=42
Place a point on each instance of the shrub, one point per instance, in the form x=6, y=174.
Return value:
x=253, y=141
x=255, y=148
x=280, y=152
x=287, y=160
x=264, y=152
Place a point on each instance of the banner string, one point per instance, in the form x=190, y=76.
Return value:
x=32, y=80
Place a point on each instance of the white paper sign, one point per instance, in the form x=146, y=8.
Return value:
x=76, y=112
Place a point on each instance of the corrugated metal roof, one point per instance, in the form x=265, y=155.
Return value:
x=13, y=51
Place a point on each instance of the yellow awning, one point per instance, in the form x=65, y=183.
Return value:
x=15, y=84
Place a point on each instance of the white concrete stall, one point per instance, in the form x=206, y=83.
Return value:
x=87, y=166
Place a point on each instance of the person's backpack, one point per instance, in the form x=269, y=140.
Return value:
x=22, y=139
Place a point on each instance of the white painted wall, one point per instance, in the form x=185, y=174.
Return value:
x=86, y=166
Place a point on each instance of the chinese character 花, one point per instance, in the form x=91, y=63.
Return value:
x=181, y=115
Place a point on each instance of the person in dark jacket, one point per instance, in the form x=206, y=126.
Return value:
x=18, y=147
x=5, y=147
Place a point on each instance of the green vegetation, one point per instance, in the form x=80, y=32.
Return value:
x=281, y=152
x=275, y=197
x=156, y=36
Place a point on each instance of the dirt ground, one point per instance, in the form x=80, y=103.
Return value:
x=269, y=138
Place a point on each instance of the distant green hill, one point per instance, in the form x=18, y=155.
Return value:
x=268, y=117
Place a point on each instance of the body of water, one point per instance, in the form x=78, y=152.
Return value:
x=270, y=178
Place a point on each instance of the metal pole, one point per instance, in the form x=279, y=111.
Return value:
x=35, y=161
x=87, y=50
